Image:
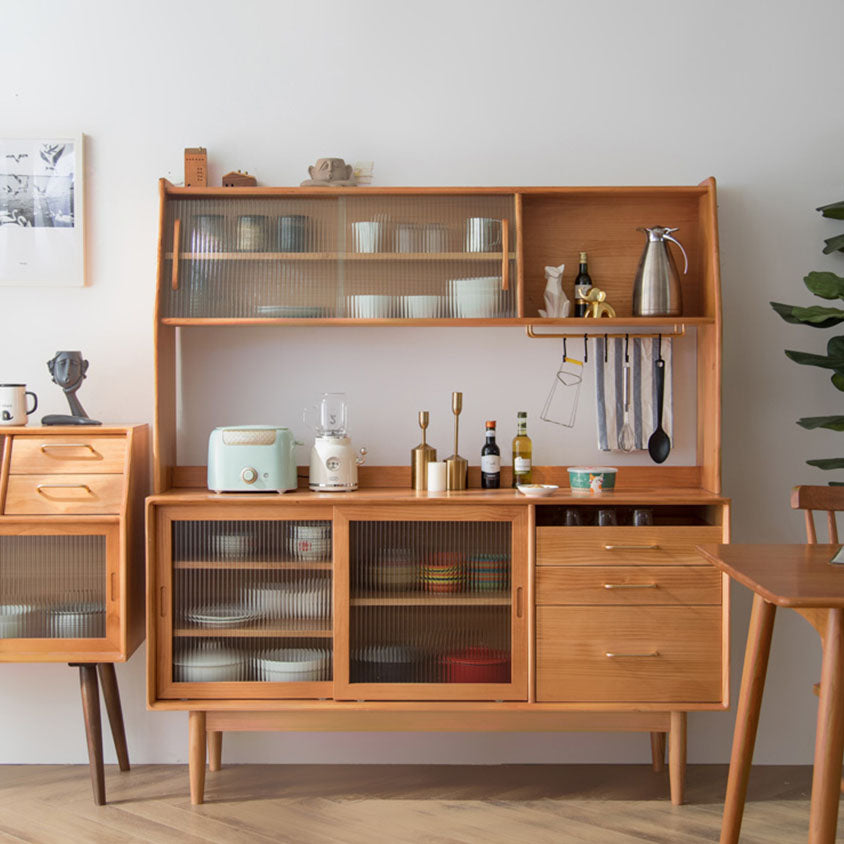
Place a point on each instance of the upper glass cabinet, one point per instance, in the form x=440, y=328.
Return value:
x=357, y=257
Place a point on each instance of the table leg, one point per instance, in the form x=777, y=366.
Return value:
x=196, y=756
x=215, y=750
x=93, y=728
x=747, y=715
x=111, y=696
x=658, y=751
x=677, y=758
x=829, y=740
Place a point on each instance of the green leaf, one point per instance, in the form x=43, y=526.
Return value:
x=831, y=423
x=826, y=285
x=807, y=359
x=828, y=463
x=836, y=483
x=814, y=317
x=834, y=244
x=838, y=381
x=834, y=211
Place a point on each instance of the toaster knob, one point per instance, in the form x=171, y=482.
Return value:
x=249, y=475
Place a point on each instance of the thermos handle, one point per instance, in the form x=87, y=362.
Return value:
x=685, y=257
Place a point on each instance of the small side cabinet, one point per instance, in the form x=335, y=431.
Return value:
x=72, y=559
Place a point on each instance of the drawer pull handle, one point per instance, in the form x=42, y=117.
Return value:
x=612, y=655
x=631, y=547
x=46, y=447
x=630, y=586
x=162, y=601
x=520, y=602
x=41, y=487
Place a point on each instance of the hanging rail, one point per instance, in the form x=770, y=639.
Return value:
x=677, y=331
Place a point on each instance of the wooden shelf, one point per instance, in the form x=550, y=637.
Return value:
x=236, y=565
x=302, y=630
x=340, y=256
x=577, y=326
x=427, y=599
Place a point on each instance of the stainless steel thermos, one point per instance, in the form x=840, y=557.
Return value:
x=656, y=291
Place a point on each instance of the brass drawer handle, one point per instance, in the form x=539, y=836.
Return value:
x=630, y=586
x=49, y=446
x=612, y=655
x=41, y=487
x=631, y=547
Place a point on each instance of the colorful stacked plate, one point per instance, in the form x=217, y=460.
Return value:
x=476, y=665
x=443, y=572
x=487, y=572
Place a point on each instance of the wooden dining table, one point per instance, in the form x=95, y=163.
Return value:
x=802, y=578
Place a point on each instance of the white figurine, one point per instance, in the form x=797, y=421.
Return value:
x=557, y=304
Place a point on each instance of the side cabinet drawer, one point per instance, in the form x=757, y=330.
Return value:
x=45, y=495
x=628, y=585
x=658, y=546
x=628, y=654
x=81, y=454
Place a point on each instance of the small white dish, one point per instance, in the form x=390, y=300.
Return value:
x=537, y=490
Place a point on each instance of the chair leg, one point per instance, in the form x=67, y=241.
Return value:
x=93, y=728
x=677, y=758
x=196, y=756
x=658, y=751
x=215, y=750
x=111, y=696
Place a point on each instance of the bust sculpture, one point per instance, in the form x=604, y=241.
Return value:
x=68, y=370
x=330, y=173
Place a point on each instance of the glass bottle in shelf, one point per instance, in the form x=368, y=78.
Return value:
x=490, y=460
x=522, y=451
x=582, y=286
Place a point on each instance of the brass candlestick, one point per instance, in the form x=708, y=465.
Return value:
x=457, y=467
x=420, y=457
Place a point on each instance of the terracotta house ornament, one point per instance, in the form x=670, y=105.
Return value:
x=330, y=173
x=236, y=179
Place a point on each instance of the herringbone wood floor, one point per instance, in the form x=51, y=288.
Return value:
x=344, y=804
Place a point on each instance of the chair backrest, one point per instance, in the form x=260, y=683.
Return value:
x=828, y=499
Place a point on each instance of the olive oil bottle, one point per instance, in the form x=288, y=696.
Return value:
x=522, y=452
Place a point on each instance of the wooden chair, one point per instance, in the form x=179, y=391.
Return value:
x=819, y=499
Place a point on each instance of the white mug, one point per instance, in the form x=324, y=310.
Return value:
x=13, y=404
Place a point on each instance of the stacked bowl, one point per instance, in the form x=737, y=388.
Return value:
x=487, y=572
x=475, y=298
x=443, y=571
x=293, y=665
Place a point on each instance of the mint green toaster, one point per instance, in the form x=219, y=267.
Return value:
x=252, y=458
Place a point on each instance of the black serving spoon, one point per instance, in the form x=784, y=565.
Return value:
x=659, y=445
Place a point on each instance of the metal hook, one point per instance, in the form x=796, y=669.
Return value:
x=606, y=349
x=659, y=347
x=565, y=353
x=626, y=348
x=585, y=348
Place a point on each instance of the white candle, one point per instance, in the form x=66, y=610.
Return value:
x=436, y=476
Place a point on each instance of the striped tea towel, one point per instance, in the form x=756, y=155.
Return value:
x=609, y=389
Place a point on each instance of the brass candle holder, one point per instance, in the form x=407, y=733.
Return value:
x=457, y=467
x=420, y=457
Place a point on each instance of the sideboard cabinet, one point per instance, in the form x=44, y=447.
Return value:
x=386, y=609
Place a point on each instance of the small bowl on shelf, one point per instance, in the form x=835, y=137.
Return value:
x=292, y=665
x=591, y=480
x=537, y=490
x=208, y=663
x=476, y=665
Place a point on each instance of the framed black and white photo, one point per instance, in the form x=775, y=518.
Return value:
x=42, y=238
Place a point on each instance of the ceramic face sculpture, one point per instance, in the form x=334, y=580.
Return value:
x=330, y=172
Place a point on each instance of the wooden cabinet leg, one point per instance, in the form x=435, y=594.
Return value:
x=658, y=751
x=829, y=739
x=196, y=756
x=677, y=758
x=111, y=696
x=215, y=750
x=747, y=715
x=93, y=728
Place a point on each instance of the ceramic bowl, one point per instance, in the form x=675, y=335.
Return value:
x=537, y=490
x=591, y=480
x=209, y=663
x=292, y=665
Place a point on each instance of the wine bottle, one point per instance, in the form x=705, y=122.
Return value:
x=582, y=286
x=490, y=460
x=521, y=451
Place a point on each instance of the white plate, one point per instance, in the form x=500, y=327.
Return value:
x=537, y=490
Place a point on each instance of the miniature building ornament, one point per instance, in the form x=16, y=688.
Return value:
x=330, y=172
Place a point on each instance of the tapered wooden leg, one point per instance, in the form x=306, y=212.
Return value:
x=196, y=756
x=215, y=750
x=111, y=696
x=747, y=715
x=677, y=757
x=658, y=751
x=829, y=739
x=93, y=729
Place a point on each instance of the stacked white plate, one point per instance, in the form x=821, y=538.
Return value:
x=208, y=662
x=13, y=620
x=77, y=621
x=475, y=298
x=369, y=306
x=292, y=599
x=420, y=307
x=221, y=615
x=293, y=665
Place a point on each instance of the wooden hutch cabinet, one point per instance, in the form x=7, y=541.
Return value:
x=388, y=609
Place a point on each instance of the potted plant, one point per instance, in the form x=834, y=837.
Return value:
x=826, y=285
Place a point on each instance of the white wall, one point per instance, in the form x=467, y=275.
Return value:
x=442, y=93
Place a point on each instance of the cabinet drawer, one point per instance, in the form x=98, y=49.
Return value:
x=35, y=495
x=629, y=654
x=628, y=585
x=604, y=546
x=68, y=455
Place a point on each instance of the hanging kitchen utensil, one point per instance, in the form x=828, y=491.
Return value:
x=627, y=437
x=561, y=405
x=656, y=291
x=659, y=445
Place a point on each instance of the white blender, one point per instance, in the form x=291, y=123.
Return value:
x=334, y=463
